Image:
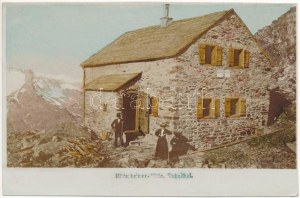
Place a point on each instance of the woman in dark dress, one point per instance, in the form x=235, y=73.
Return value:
x=180, y=146
x=162, y=150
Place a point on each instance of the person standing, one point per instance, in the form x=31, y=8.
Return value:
x=162, y=150
x=180, y=146
x=117, y=126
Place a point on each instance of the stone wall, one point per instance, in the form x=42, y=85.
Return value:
x=175, y=80
x=158, y=79
x=250, y=83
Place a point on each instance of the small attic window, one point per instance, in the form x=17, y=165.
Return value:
x=210, y=54
x=238, y=58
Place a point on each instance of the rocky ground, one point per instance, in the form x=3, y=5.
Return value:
x=70, y=145
x=66, y=145
x=275, y=150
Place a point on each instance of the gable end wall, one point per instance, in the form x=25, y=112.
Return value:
x=250, y=83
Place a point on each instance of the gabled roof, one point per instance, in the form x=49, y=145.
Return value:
x=155, y=42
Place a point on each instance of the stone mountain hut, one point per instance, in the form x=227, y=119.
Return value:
x=206, y=76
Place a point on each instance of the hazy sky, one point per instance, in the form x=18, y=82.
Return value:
x=56, y=38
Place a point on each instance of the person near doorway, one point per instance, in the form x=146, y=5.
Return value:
x=117, y=126
x=162, y=150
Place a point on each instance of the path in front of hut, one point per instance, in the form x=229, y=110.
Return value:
x=142, y=156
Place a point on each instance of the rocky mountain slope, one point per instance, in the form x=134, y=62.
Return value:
x=36, y=103
x=279, y=42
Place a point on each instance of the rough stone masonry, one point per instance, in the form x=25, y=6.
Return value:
x=174, y=80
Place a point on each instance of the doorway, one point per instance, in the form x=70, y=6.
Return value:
x=136, y=112
x=129, y=111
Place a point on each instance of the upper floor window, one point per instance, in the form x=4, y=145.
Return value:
x=210, y=54
x=238, y=57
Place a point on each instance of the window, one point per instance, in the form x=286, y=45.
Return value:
x=238, y=58
x=235, y=107
x=208, y=108
x=153, y=106
x=210, y=54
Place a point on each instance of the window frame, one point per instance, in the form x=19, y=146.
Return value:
x=242, y=63
x=214, y=55
x=238, y=108
x=214, y=108
x=210, y=113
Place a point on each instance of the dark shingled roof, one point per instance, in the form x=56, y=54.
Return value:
x=155, y=42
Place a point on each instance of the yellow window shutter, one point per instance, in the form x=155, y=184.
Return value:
x=217, y=107
x=219, y=55
x=199, y=108
x=241, y=59
x=202, y=54
x=227, y=107
x=242, y=108
x=230, y=56
x=214, y=56
x=154, y=106
x=246, y=58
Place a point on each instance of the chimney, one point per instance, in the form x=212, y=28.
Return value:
x=166, y=20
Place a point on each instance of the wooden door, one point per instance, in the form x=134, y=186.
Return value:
x=143, y=113
x=129, y=112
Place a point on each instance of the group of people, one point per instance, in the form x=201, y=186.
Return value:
x=170, y=150
x=167, y=147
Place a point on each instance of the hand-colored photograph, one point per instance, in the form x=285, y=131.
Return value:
x=150, y=85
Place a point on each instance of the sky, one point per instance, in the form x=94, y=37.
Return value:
x=54, y=38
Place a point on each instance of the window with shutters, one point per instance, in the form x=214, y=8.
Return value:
x=210, y=54
x=238, y=58
x=208, y=108
x=153, y=106
x=235, y=107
